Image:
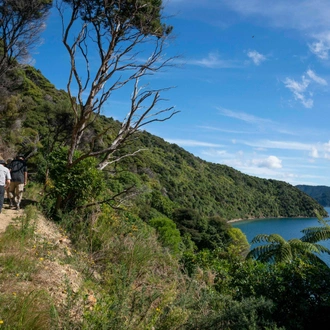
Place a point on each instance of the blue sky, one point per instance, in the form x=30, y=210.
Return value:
x=252, y=84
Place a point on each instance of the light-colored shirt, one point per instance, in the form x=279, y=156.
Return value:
x=4, y=175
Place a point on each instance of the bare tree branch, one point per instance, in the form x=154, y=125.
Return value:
x=111, y=40
x=125, y=193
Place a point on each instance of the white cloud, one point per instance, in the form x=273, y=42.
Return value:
x=263, y=123
x=269, y=162
x=311, y=74
x=256, y=57
x=210, y=128
x=297, y=87
x=321, y=46
x=298, y=90
x=314, y=152
x=192, y=143
x=213, y=61
x=243, y=116
x=280, y=145
x=327, y=146
x=215, y=153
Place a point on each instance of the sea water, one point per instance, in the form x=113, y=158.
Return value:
x=288, y=228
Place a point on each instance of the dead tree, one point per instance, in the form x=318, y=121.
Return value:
x=111, y=38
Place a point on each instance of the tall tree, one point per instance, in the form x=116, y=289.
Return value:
x=21, y=22
x=107, y=41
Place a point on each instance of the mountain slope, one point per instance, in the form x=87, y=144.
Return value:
x=36, y=119
x=320, y=193
x=215, y=189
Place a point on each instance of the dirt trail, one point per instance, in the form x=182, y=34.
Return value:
x=7, y=216
x=53, y=273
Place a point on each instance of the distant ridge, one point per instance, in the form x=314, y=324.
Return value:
x=320, y=193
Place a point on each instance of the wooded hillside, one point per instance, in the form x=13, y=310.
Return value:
x=36, y=121
x=320, y=193
x=119, y=229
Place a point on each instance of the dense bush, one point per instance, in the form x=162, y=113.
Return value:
x=71, y=187
x=169, y=235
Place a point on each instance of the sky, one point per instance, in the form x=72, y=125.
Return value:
x=251, y=82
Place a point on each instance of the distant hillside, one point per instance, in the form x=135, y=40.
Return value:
x=214, y=189
x=36, y=119
x=320, y=193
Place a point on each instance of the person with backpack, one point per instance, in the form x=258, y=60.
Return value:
x=18, y=172
x=4, y=181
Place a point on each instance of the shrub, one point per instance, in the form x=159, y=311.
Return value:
x=169, y=235
x=72, y=187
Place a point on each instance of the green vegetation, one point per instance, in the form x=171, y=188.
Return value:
x=214, y=189
x=320, y=193
x=151, y=240
x=280, y=250
x=21, y=23
x=144, y=242
x=130, y=281
x=36, y=121
x=23, y=305
x=295, y=273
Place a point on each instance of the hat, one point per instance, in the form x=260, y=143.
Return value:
x=20, y=156
x=2, y=161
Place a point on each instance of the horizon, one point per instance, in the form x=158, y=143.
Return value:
x=252, y=84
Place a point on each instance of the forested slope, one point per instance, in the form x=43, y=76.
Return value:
x=320, y=193
x=138, y=236
x=214, y=189
x=35, y=120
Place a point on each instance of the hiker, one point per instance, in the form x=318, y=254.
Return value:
x=4, y=181
x=7, y=189
x=18, y=172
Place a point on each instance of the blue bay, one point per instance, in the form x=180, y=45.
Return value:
x=288, y=228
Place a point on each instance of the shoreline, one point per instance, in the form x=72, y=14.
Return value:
x=237, y=220
x=263, y=218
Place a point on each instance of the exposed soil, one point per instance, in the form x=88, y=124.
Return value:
x=6, y=217
x=53, y=275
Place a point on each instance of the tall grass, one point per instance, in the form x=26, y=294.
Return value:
x=28, y=311
x=131, y=281
x=21, y=306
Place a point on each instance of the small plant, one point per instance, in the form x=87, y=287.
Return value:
x=28, y=220
x=17, y=266
x=33, y=311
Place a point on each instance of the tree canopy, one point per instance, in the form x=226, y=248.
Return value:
x=21, y=23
